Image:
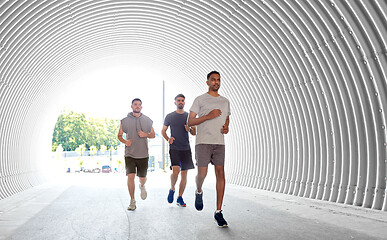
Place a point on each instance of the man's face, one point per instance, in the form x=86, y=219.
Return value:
x=180, y=102
x=136, y=106
x=214, y=82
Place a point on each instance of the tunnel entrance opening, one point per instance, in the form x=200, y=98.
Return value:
x=95, y=99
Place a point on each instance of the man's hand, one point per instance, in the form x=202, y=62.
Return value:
x=128, y=142
x=170, y=140
x=187, y=128
x=224, y=129
x=142, y=134
x=214, y=113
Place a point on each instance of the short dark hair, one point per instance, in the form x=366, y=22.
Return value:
x=213, y=72
x=179, y=95
x=136, y=99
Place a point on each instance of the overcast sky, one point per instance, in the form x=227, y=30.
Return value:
x=106, y=90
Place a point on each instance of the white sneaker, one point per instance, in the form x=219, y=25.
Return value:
x=132, y=205
x=144, y=194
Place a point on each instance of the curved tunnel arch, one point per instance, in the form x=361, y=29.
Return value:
x=306, y=80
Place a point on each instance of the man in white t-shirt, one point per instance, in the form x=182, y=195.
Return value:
x=210, y=113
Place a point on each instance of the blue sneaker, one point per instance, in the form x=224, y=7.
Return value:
x=219, y=219
x=199, y=201
x=180, y=202
x=170, y=195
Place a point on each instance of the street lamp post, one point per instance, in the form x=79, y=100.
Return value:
x=110, y=152
x=66, y=148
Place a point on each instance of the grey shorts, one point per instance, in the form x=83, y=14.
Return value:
x=209, y=153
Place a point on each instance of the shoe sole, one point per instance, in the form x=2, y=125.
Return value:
x=224, y=226
x=178, y=204
x=132, y=209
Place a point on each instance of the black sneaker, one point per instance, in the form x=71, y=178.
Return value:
x=199, y=201
x=220, y=220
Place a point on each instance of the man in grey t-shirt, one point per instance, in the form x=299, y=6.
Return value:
x=210, y=113
x=138, y=128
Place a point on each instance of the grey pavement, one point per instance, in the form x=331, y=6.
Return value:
x=93, y=206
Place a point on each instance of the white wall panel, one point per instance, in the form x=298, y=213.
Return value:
x=306, y=80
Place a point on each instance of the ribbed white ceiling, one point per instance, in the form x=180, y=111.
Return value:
x=306, y=79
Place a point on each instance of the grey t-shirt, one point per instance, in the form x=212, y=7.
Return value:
x=130, y=126
x=209, y=132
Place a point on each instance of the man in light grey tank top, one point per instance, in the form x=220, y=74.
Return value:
x=210, y=113
x=138, y=128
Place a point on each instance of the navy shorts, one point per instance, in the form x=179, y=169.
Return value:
x=182, y=158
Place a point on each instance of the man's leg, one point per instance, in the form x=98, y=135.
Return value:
x=174, y=176
x=142, y=181
x=183, y=182
x=202, y=173
x=220, y=186
x=131, y=184
x=142, y=169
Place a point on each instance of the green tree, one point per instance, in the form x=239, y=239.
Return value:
x=103, y=149
x=74, y=129
x=81, y=149
x=93, y=150
x=71, y=130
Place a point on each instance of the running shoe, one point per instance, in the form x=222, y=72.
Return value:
x=199, y=201
x=219, y=219
x=132, y=205
x=180, y=202
x=144, y=194
x=170, y=195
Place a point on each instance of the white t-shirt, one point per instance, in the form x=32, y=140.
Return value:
x=209, y=132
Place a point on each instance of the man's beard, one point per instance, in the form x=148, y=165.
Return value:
x=136, y=111
x=180, y=106
x=214, y=89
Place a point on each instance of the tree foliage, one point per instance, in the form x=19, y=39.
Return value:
x=74, y=129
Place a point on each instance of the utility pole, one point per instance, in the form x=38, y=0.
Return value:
x=110, y=150
x=162, y=141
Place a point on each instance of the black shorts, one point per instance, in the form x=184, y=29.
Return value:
x=182, y=158
x=139, y=165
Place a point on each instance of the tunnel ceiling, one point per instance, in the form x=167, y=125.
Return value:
x=306, y=81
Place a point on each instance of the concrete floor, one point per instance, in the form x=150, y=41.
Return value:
x=93, y=206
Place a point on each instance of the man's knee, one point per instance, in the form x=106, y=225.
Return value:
x=175, y=170
x=202, y=173
x=219, y=171
x=183, y=174
x=131, y=176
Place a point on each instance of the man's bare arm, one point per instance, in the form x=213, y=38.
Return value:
x=225, y=126
x=151, y=134
x=121, y=139
x=192, y=130
x=164, y=133
x=193, y=121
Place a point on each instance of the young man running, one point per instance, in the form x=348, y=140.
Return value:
x=179, y=148
x=138, y=128
x=210, y=112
